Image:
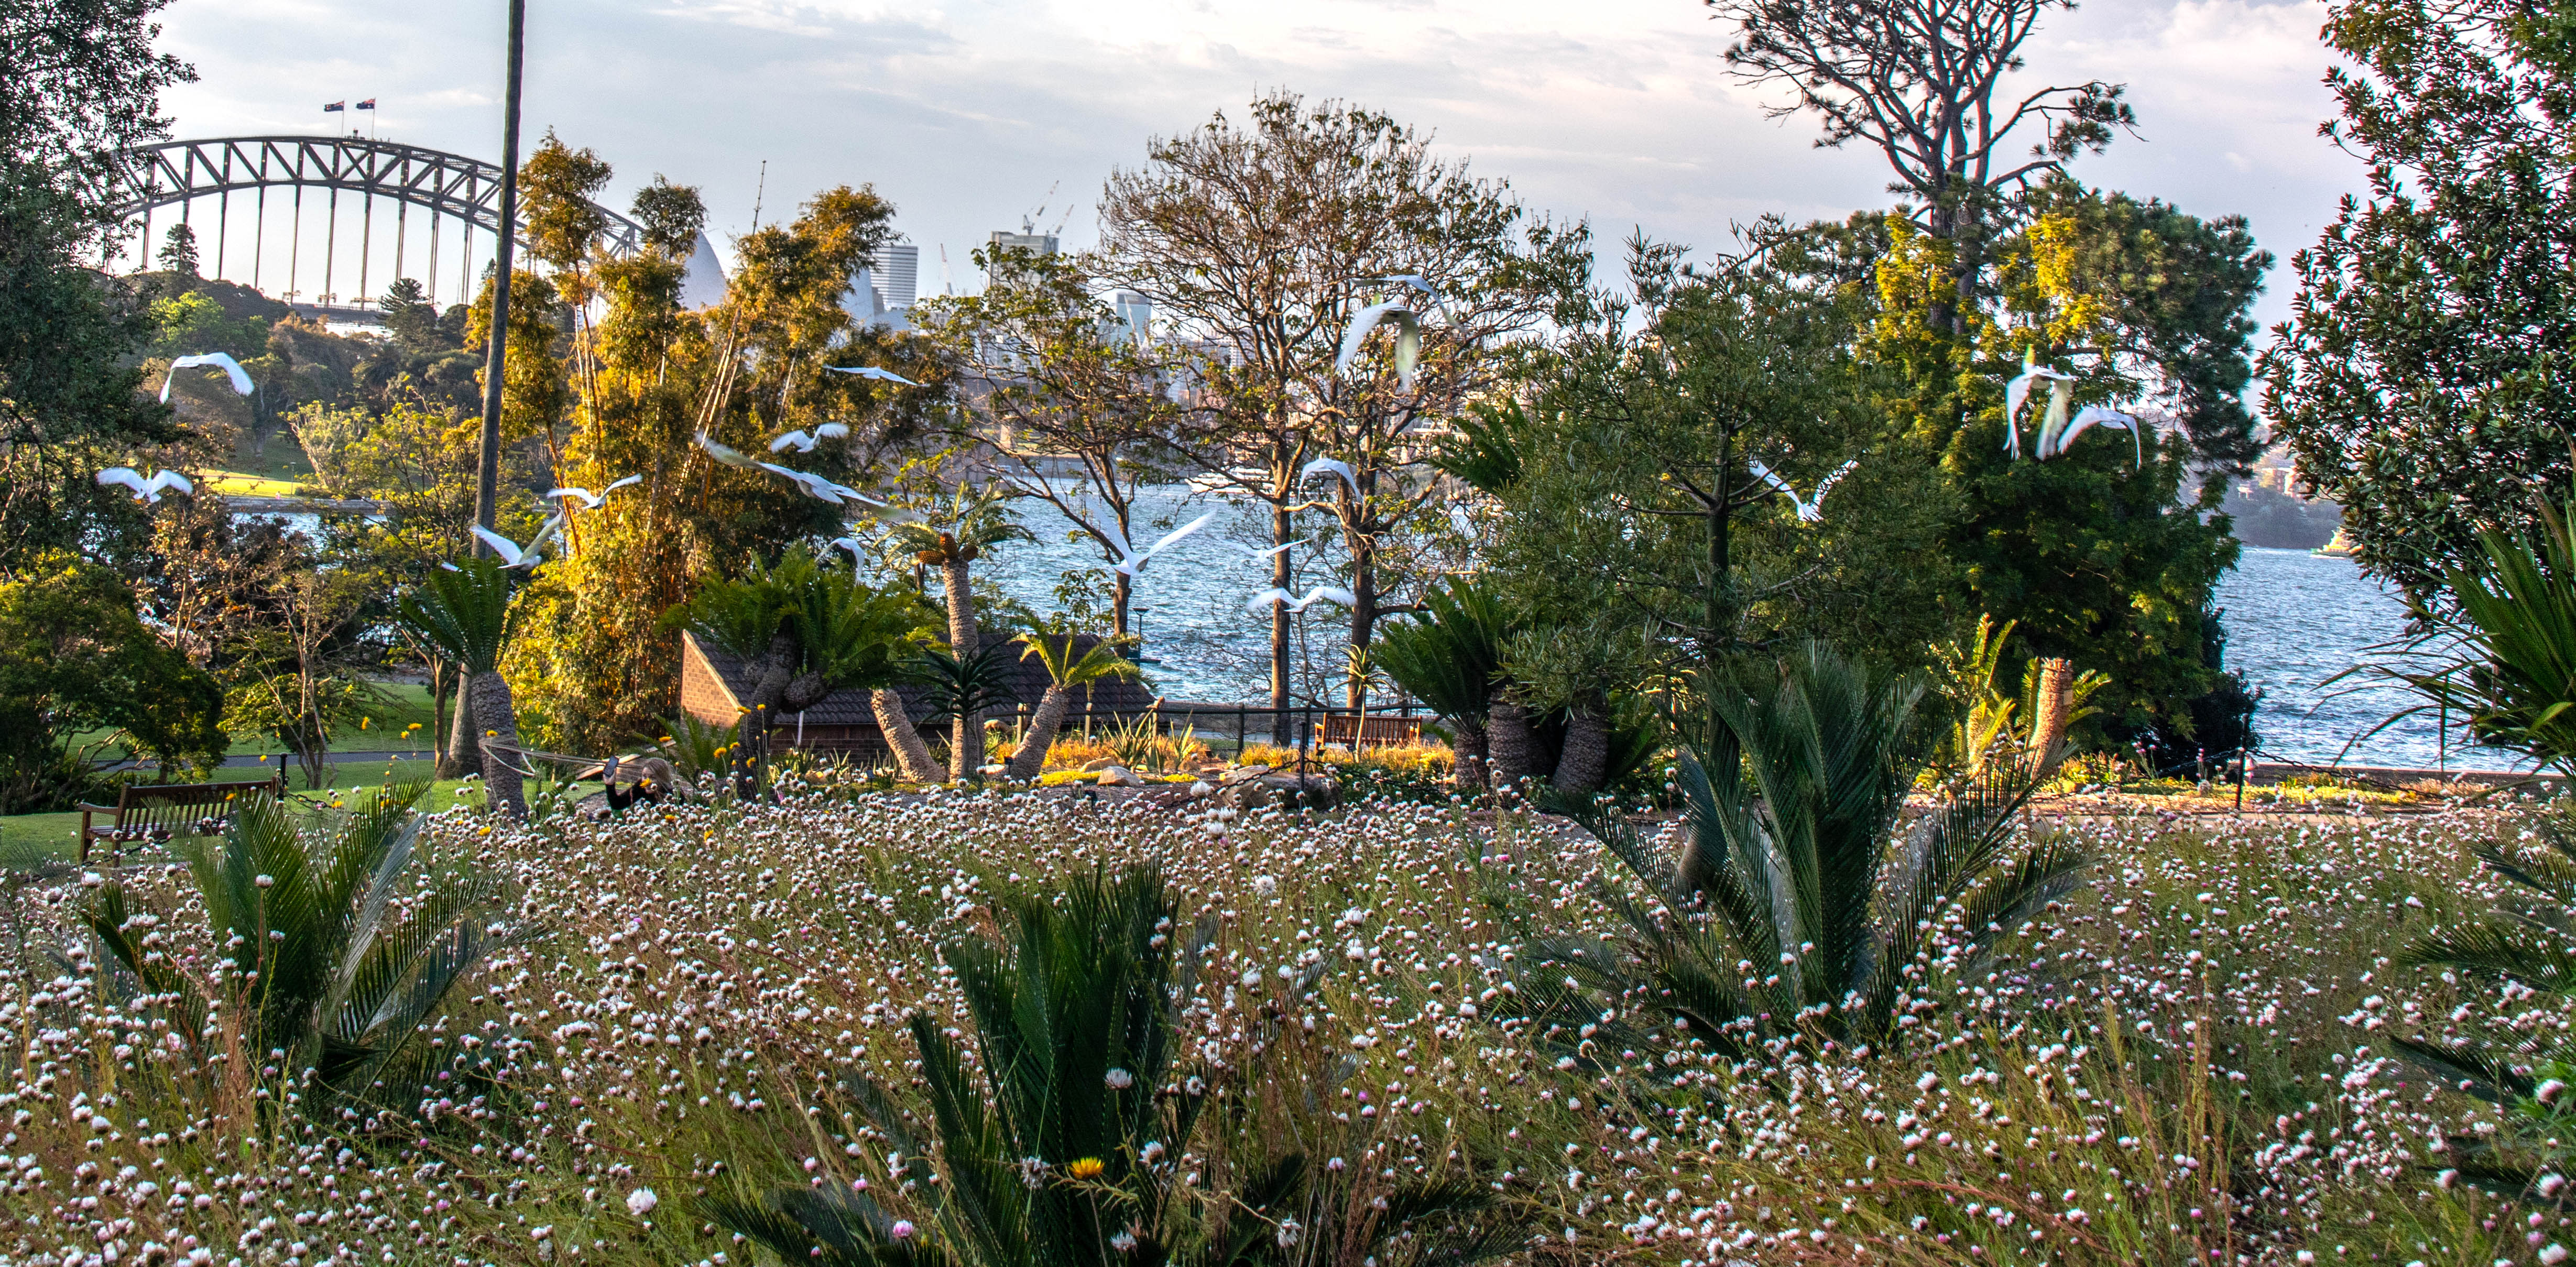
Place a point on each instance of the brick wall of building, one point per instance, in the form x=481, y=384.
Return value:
x=702, y=695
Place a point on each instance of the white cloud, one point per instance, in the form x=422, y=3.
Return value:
x=965, y=113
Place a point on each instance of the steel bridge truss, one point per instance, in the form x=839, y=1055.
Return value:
x=445, y=185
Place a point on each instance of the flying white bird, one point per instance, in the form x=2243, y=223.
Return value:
x=1294, y=604
x=2016, y=391
x=819, y=488
x=856, y=547
x=1809, y=510
x=590, y=500
x=1335, y=466
x=805, y=443
x=1408, y=338
x=2094, y=416
x=144, y=490
x=726, y=453
x=242, y=386
x=512, y=556
x=1259, y=555
x=1131, y=561
x=870, y=371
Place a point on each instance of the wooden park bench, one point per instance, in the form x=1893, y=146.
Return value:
x=1380, y=732
x=159, y=811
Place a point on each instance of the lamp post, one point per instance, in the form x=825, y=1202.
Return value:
x=487, y=476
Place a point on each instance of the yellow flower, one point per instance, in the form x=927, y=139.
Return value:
x=1085, y=1168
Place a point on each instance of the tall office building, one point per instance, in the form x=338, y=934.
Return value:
x=1025, y=240
x=897, y=267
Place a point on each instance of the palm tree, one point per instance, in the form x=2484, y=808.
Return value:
x=950, y=535
x=1448, y=656
x=804, y=630
x=316, y=965
x=1066, y=673
x=464, y=614
x=1784, y=909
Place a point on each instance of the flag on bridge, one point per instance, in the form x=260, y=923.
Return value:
x=368, y=104
x=335, y=107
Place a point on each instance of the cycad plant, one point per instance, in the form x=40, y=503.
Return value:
x=965, y=689
x=804, y=630
x=463, y=612
x=313, y=958
x=1792, y=905
x=950, y=534
x=1063, y=1143
x=2527, y=1072
x=1448, y=656
x=2504, y=655
x=1067, y=673
x=1991, y=724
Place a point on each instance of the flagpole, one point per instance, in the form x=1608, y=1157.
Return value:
x=487, y=477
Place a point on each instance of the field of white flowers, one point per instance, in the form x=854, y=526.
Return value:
x=2187, y=1058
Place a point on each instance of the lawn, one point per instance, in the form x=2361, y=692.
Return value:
x=59, y=834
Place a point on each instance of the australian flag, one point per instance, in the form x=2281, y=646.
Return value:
x=368, y=104
x=335, y=107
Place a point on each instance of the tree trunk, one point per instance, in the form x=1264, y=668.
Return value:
x=1363, y=618
x=1282, y=523
x=966, y=731
x=1507, y=740
x=461, y=757
x=500, y=775
x=2048, y=724
x=911, y=756
x=1470, y=747
x=767, y=693
x=1029, y=759
x=1586, y=758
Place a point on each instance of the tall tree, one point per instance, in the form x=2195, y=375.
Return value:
x=1059, y=380
x=2422, y=378
x=1261, y=241
x=78, y=83
x=1922, y=82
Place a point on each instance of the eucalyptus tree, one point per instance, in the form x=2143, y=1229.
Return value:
x=1259, y=241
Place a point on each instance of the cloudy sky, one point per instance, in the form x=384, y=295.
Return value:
x=966, y=113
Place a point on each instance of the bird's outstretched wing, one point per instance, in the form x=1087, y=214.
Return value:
x=804, y=443
x=615, y=485
x=589, y=500
x=1362, y=322
x=166, y=481
x=123, y=477
x=832, y=431
x=1334, y=593
x=1258, y=555
x=1335, y=466
x=511, y=555
x=1418, y=282
x=1177, y=533
x=2103, y=416
x=242, y=386
x=870, y=371
x=1265, y=598
x=726, y=453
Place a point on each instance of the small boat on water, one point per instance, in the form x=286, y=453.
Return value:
x=2340, y=547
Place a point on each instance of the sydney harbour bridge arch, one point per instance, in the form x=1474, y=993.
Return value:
x=335, y=183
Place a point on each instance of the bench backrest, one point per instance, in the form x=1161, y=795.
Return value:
x=1392, y=731
x=180, y=805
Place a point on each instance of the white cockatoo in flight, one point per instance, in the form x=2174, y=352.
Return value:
x=1294, y=604
x=804, y=442
x=1333, y=466
x=1131, y=561
x=1408, y=339
x=2061, y=388
x=513, y=555
x=590, y=500
x=145, y=490
x=1810, y=510
x=242, y=386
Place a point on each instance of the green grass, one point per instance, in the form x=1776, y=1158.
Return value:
x=386, y=727
x=59, y=834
